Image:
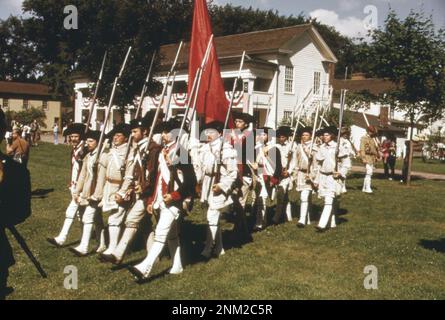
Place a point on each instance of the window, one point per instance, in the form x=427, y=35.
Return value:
x=317, y=77
x=6, y=104
x=45, y=105
x=289, y=79
x=287, y=115
x=25, y=104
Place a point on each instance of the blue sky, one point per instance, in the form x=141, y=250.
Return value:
x=345, y=15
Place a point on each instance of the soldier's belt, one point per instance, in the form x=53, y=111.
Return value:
x=114, y=181
x=327, y=173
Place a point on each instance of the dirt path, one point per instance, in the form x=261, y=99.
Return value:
x=422, y=175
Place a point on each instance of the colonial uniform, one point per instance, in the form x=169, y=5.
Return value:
x=269, y=172
x=368, y=153
x=77, y=155
x=305, y=172
x=144, y=175
x=345, y=162
x=83, y=193
x=244, y=144
x=283, y=207
x=329, y=185
x=112, y=182
x=209, y=155
x=179, y=181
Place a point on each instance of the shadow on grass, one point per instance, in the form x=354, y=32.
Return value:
x=436, y=245
x=41, y=193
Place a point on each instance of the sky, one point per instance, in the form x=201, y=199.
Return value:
x=347, y=16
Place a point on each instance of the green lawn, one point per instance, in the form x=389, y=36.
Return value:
x=399, y=229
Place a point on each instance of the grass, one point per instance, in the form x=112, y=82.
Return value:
x=399, y=229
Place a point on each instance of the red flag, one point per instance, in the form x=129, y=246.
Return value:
x=211, y=102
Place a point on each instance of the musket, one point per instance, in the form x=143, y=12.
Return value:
x=194, y=92
x=340, y=123
x=216, y=167
x=377, y=144
x=293, y=113
x=107, y=115
x=138, y=110
x=169, y=97
x=294, y=136
x=313, y=138
x=96, y=90
x=28, y=252
x=161, y=101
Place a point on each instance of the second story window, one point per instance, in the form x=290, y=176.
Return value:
x=289, y=79
x=317, y=81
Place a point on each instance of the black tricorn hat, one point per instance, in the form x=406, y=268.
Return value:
x=75, y=128
x=170, y=125
x=136, y=123
x=284, y=131
x=217, y=125
x=302, y=130
x=120, y=128
x=93, y=134
x=266, y=130
x=247, y=118
x=319, y=132
x=331, y=130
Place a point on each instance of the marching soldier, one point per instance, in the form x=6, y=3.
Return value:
x=144, y=175
x=348, y=147
x=305, y=173
x=82, y=194
x=269, y=170
x=243, y=141
x=175, y=181
x=329, y=178
x=75, y=132
x=283, y=208
x=224, y=178
x=113, y=187
x=369, y=153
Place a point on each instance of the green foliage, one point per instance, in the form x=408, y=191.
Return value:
x=39, y=47
x=28, y=116
x=410, y=53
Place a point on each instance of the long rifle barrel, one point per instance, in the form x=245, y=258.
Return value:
x=96, y=90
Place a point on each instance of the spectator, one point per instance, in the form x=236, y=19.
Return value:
x=34, y=133
x=18, y=148
x=56, y=133
x=389, y=156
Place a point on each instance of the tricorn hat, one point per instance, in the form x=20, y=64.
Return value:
x=170, y=125
x=217, y=125
x=284, y=131
x=247, y=118
x=120, y=128
x=331, y=130
x=93, y=134
x=302, y=130
x=75, y=128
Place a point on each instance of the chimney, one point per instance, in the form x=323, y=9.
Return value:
x=384, y=116
x=358, y=76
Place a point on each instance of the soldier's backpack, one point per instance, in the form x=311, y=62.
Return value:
x=15, y=192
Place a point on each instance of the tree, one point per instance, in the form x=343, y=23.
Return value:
x=411, y=53
x=28, y=116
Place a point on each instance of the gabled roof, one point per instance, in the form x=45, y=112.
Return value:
x=257, y=42
x=22, y=88
x=359, y=120
x=375, y=86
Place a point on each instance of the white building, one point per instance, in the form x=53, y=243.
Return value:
x=285, y=68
